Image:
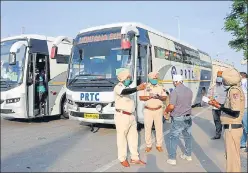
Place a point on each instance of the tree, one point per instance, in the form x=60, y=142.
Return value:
x=236, y=23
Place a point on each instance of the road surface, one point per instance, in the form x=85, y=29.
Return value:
x=67, y=146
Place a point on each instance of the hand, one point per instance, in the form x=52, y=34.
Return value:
x=211, y=98
x=156, y=96
x=214, y=103
x=141, y=86
x=166, y=115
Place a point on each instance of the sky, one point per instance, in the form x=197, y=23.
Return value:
x=201, y=22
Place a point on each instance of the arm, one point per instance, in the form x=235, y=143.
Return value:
x=210, y=93
x=234, y=111
x=163, y=97
x=144, y=98
x=169, y=108
x=230, y=112
x=128, y=91
x=173, y=99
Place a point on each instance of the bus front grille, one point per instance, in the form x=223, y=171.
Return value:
x=90, y=105
x=6, y=111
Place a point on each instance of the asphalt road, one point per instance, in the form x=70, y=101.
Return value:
x=66, y=146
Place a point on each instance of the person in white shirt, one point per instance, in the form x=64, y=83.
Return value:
x=243, y=142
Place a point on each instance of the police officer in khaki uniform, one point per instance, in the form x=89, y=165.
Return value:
x=231, y=118
x=125, y=121
x=154, y=95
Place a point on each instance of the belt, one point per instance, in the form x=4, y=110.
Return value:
x=124, y=112
x=186, y=115
x=153, y=109
x=233, y=126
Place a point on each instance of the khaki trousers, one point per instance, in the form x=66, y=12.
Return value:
x=232, y=144
x=126, y=127
x=149, y=117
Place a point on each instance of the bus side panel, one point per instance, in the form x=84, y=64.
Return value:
x=55, y=97
x=58, y=68
x=58, y=75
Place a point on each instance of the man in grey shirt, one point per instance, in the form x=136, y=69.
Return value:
x=217, y=92
x=180, y=108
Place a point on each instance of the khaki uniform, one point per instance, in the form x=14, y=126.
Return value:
x=126, y=125
x=235, y=101
x=153, y=111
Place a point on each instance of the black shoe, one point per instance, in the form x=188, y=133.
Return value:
x=243, y=148
x=215, y=137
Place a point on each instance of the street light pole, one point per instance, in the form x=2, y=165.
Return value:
x=23, y=30
x=178, y=26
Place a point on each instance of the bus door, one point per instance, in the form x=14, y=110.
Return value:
x=38, y=84
x=32, y=111
x=142, y=71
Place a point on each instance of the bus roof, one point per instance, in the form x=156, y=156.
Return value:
x=34, y=36
x=140, y=26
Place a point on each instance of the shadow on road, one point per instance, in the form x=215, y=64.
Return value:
x=33, y=120
x=209, y=129
x=205, y=161
x=151, y=165
x=40, y=158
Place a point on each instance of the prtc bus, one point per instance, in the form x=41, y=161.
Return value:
x=23, y=58
x=98, y=51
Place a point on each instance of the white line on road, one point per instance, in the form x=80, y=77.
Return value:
x=116, y=161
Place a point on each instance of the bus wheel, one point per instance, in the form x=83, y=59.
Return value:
x=64, y=112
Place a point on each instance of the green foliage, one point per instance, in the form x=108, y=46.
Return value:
x=236, y=23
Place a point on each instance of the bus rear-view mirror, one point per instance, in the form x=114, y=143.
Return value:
x=54, y=52
x=12, y=58
x=81, y=54
x=15, y=48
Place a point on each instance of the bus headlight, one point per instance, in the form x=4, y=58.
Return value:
x=13, y=100
x=99, y=108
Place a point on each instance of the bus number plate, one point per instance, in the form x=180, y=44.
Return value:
x=91, y=116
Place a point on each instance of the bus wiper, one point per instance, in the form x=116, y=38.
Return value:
x=101, y=79
x=75, y=78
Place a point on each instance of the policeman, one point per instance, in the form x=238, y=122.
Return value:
x=154, y=95
x=125, y=121
x=231, y=118
x=218, y=92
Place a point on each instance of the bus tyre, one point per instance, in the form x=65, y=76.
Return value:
x=64, y=112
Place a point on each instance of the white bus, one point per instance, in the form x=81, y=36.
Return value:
x=23, y=58
x=98, y=51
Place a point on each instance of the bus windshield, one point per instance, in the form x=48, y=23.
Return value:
x=11, y=75
x=99, y=61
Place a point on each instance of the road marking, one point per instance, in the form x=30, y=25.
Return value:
x=116, y=161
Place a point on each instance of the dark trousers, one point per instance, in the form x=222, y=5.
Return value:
x=218, y=125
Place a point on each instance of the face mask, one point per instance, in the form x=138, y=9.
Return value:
x=153, y=81
x=226, y=87
x=219, y=79
x=127, y=82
